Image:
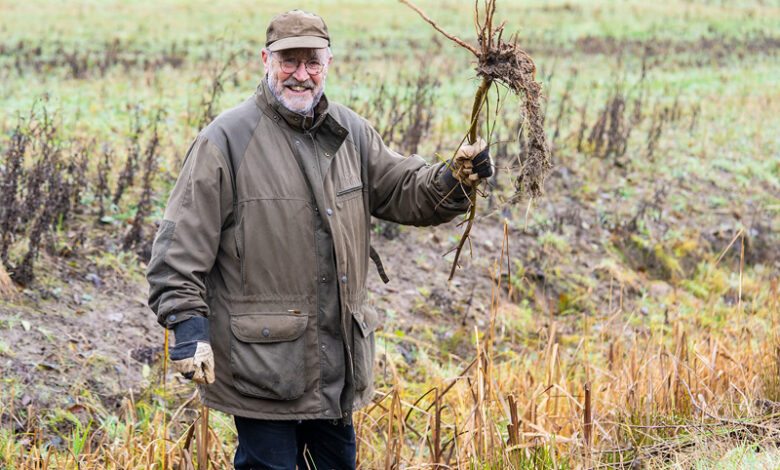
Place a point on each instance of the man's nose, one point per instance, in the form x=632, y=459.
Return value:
x=300, y=73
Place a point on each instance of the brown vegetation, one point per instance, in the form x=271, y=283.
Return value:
x=633, y=322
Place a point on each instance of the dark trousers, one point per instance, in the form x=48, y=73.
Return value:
x=281, y=445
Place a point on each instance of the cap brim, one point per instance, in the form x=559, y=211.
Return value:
x=298, y=42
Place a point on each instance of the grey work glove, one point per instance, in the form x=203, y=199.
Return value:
x=192, y=355
x=472, y=163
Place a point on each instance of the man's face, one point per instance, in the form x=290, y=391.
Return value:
x=301, y=89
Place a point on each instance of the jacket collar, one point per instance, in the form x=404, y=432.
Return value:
x=268, y=102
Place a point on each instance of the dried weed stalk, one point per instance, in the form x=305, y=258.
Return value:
x=503, y=62
x=44, y=191
x=37, y=196
x=135, y=235
x=217, y=78
x=10, y=200
x=101, y=190
x=402, y=115
x=127, y=175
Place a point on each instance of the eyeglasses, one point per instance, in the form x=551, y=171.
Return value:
x=291, y=64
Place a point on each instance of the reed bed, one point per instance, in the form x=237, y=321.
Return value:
x=617, y=398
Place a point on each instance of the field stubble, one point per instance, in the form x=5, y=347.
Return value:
x=627, y=319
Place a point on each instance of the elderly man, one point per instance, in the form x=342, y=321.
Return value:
x=260, y=263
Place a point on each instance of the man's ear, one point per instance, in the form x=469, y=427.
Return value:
x=266, y=57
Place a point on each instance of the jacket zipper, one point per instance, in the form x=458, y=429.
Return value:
x=349, y=190
x=350, y=361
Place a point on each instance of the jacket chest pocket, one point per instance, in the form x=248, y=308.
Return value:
x=350, y=192
x=268, y=354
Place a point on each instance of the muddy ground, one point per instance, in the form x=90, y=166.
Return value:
x=82, y=336
x=92, y=332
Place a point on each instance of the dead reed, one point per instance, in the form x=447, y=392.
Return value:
x=614, y=395
x=620, y=396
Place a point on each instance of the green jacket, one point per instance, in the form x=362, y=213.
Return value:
x=280, y=270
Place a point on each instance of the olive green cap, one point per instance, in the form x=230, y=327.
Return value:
x=296, y=29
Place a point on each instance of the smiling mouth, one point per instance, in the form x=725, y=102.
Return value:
x=298, y=89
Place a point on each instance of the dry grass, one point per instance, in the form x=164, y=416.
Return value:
x=611, y=389
x=622, y=395
x=7, y=288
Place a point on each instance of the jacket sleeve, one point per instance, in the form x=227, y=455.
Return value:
x=188, y=238
x=406, y=189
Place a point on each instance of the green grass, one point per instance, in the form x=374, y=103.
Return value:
x=153, y=22
x=705, y=168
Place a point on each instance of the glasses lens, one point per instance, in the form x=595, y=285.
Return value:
x=289, y=65
x=313, y=67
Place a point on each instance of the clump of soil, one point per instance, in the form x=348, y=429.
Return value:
x=508, y=64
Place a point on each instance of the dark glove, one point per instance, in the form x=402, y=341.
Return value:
x=471, y=164
x=192, y=354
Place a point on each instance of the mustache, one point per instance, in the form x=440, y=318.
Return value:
x=308, y=83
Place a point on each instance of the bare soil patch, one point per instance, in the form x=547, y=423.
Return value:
x=91, y=333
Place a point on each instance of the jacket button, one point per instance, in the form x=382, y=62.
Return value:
x=363, y=324
x=324, y=279
x=266, y=332
x=329, y=211
x=327, y=154
x=172, y=318
x=343, y=278
x=327, y=412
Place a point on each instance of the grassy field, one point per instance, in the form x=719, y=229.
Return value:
x=627, y=319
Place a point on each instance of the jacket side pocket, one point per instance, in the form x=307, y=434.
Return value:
x=364, y=323
x=268, y=354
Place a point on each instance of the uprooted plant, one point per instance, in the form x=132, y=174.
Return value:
x=502, y=62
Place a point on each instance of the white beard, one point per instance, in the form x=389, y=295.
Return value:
x=302, y=106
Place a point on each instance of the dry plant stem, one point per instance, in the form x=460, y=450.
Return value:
x=164, y=384
x=506, y=63
x=479, y=99
x=449, y=36
x=203, y=441
x=587, y=419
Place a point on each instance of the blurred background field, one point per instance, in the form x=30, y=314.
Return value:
x=625, y=320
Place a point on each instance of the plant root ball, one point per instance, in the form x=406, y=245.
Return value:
x=508, y=64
